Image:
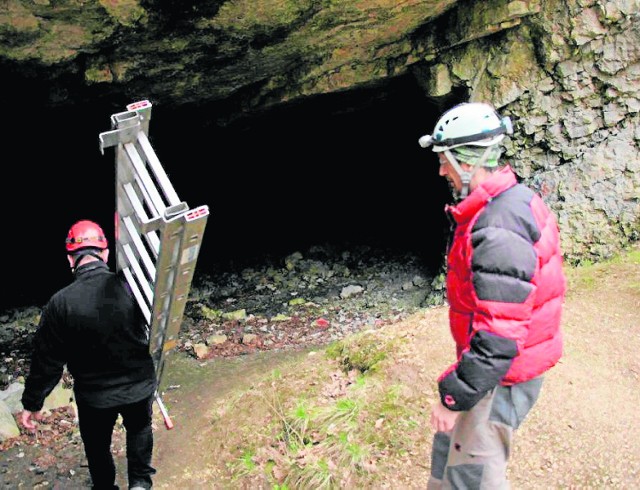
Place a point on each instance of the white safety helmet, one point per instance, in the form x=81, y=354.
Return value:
x=469, y=123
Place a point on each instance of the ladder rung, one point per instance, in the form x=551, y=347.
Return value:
x=140, y=248
x=137, y=270
x=155, y=200
x=135, y=289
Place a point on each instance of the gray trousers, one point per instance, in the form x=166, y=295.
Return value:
x=474, y=454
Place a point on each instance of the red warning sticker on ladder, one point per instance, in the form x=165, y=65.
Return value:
x=199, y=212
x=143, y=104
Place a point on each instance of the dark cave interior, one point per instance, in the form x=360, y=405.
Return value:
x=342, y=169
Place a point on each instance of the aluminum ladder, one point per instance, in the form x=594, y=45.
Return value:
x=158, y=237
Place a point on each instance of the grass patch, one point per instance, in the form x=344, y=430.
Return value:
x=334, y=430
x=589, y=276
x=362, y=351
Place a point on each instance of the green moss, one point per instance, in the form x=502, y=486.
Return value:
x=126, y=12
x=248, y=15
x=98, y=74
x=589, y=275
x=634, y=257
x=61, y=42
x=16, y=19
x=362, y=351
x=177, y=44
x=121, y=70
x=464, y=64
x=52, y=35
x=210, y=313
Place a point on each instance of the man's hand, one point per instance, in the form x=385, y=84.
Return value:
x=442, y=419
x=27, y=417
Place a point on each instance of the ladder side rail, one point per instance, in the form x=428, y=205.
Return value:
x=181, y=258
x=157, y=335
x=165, y=265
x=125, y=172
x=165, y=284
x=189, y=248
x=157, y=343
x=181, y=240
x=143, y=109
x=157, y=169
x=180, y=246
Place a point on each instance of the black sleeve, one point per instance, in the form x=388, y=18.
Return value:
x=47, y=360
x=479, y=370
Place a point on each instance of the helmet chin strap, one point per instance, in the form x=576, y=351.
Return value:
x=82, y=253
x=465, y=177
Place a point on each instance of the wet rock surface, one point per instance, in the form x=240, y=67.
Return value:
x=310, y=297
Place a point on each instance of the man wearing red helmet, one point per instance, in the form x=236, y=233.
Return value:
x=95, y=327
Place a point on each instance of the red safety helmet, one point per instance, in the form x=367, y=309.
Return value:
x=85, y=234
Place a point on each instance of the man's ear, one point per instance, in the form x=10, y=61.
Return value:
x=105, y=255
x=70, y=259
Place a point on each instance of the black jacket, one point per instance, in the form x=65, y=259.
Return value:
x=95, y=327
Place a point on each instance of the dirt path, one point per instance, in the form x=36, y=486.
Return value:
x=581, y=434
x=201, y=386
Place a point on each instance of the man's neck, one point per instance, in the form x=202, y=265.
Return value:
x=87, y=259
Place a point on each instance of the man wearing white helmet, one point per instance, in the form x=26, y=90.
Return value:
x=505, y=290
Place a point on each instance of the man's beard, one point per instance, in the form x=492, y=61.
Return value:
x=455, y=194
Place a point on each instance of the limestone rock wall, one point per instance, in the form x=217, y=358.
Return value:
x=568, y=72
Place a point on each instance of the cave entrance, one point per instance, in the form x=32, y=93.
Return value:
x=342, y=169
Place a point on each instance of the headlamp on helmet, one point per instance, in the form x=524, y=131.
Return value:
x=469, y=123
